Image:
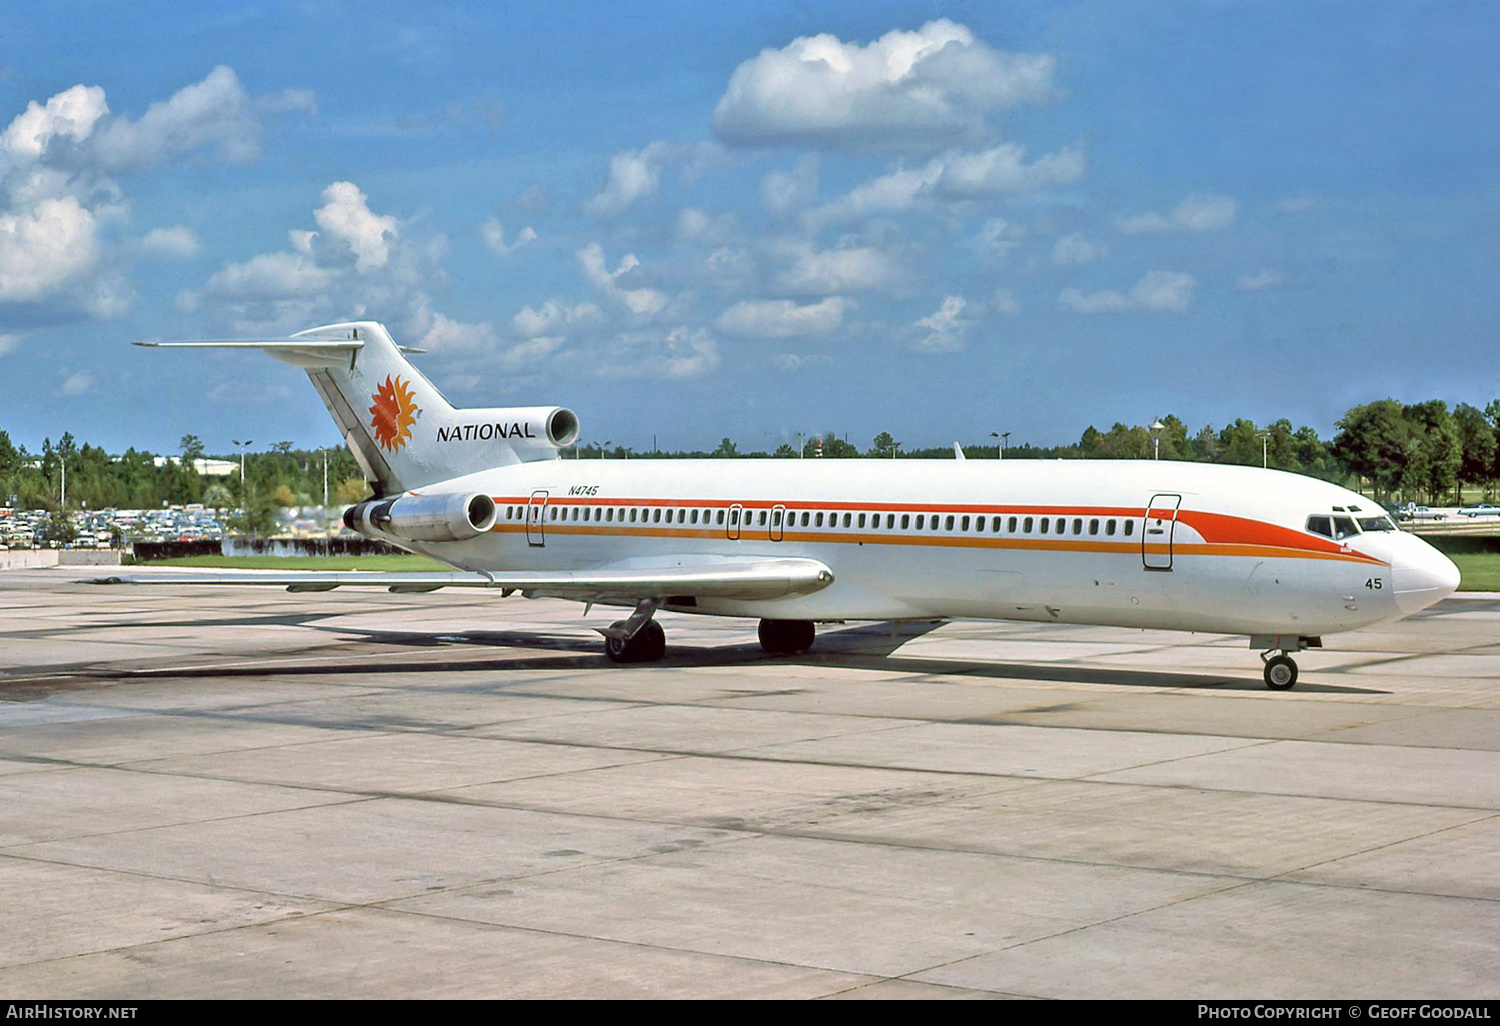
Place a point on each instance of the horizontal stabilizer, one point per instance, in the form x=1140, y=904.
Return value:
x=304, y=351
x=729, y=579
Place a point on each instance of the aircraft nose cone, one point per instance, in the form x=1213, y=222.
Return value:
x=1422, y=575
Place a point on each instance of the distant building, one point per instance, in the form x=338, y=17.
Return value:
x=205, y=467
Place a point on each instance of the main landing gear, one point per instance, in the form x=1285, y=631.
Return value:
x=780, y=637
x=1281, y=668
x=638, y=639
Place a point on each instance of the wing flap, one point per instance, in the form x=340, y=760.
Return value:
x=730, y=579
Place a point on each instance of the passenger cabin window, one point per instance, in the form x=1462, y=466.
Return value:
x=1129, y=528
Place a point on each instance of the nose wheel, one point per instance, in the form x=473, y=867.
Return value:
x=1281, y=671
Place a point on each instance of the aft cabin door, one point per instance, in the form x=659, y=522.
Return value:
x=536, y=512
x=1158, y=527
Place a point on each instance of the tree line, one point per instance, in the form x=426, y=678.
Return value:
x=1421, y=451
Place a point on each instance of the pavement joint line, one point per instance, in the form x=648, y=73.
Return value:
x=745, y=832
x=343, y=798
x=170, y=878
x=212, y=931
x=1484, y=816
x=1109, y=921
x=645, y=945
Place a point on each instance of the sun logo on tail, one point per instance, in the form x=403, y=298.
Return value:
x=393, y=414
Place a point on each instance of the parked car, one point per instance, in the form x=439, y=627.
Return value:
x=1483, y=509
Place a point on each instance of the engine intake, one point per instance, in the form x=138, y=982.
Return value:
x=431, y=518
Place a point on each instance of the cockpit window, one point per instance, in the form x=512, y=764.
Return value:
x=1381, y=523
x=1321, y=525
x=1344, y=527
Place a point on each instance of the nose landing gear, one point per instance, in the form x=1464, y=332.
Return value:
x=1281, y=668
x=1281, y=671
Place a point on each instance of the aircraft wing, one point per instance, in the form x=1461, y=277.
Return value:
x=622, y=582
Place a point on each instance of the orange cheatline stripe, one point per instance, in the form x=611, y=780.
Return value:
x=1030, y=543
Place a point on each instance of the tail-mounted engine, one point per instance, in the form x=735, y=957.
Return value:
x=430, y=518
x=529, y=432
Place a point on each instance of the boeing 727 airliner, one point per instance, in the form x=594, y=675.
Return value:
x=1281, y=558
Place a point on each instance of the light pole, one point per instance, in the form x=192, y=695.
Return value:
x=1002, y=436
x=603, y=446
x=244, y=488
x=1265, y=437
x=1157, y=427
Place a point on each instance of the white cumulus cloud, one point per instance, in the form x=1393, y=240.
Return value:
x=493, y=233
x=835, y=271
x=782, y=318
x=556, y=317
x=71, y=114
x=783, y=193
x=642, y=301
x=1157, y=290
x=1260, y=281
x=76, y=383
x=933, y=86
x=636, y=174
x=944, y=330
x=175, y=241
x=1075, y=249
x=270, y=276
x=681, y=352
x=1199, y=212
x=954, y=176
x=215, y=112
x=45, y=248
x=346, y=215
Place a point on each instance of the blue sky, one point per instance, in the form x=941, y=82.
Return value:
x=691, y=221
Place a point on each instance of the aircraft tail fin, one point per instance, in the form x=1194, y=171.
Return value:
x=400, y=428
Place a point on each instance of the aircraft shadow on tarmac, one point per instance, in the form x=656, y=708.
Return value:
x=866, y=646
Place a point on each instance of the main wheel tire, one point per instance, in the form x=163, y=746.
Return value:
x=1281, y=673
x=618, y=649
x=648, y=645
x=801, y=634
x=651, y=642
x=772, y=637
x=780, y=637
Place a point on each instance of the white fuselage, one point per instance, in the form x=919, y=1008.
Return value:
x=1180, y=546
